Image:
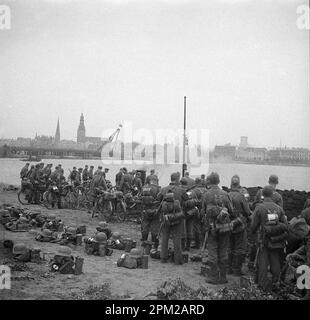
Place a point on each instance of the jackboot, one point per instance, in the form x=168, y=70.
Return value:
x=212, y=276
x=237, y=268
x=223, y=268
x=230, y=263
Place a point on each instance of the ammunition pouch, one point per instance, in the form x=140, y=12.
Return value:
x=150, y=214
x=238, y=225
x=192, y=213
x=174, y=218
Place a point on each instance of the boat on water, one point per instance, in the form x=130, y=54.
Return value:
x=32, y=159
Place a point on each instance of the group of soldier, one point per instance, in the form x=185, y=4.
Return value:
x=197, y=213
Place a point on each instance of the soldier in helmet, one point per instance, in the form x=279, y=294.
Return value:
x=85, y=175
x=276, y=197
x=217, y=211
x=24, y=171
x=172, y=218
x=271, y=220
x=103, y=227
x=238, y=237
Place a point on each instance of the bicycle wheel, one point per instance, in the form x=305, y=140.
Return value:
x=23, y=196
x=107, y=210
x=71, y=199
x=47, y=200
x=121, y=211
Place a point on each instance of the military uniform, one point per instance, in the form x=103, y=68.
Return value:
x=175, y=230
x=23, y=172
x=152, y=179
x=269, y=252
x=238, y=237
x=151, y=218
x=276, y=198
x=85, y=175
x=218, y=243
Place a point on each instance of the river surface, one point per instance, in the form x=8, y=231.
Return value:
x=251, y=175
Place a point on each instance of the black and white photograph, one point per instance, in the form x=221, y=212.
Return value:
x=154, y=154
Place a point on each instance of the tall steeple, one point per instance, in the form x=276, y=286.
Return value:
x=57, y=134
x=81, y=132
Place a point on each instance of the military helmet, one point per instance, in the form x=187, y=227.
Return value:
x=46, y=233
x=71, y=230
x=23, y=220
x=52, y=217
x=33, y=231
x=64, y=251
x=273, y=179
x=116, y=235
x=102, y=224
x=101, y=237
x=135, y=252
x=19, y=248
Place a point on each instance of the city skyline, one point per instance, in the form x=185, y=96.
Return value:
x=238, y=65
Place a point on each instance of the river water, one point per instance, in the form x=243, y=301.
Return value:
x=251, y=175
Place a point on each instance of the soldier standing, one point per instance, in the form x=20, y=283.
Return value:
x=217, y=211
x=238, y=237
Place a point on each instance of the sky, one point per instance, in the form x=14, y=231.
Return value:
x=243, y=65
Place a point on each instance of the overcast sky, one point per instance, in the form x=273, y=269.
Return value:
x=243, y=64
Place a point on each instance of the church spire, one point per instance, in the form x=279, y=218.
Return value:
x=57, y=134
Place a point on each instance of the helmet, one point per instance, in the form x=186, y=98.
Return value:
x=71, y=230
x=235, y=180
x=46, y=233
x=273, y=179
x=52, y=217
x=101, y=237
x=102, y=224
x=23, y=220
x=183, y=182
x=33, y=231
x=214, y=178
x=135, y=252
x=64, y=251
x=116, y=235
x=19, y=248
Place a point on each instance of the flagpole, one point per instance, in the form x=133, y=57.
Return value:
x=184, y=166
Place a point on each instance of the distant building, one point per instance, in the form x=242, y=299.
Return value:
x=290, y=155
x=85, y=142
x=243, y=142
x=251, y=154
x=226, y=152
x=57, y=134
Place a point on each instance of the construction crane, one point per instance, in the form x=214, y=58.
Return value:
x=110, y=139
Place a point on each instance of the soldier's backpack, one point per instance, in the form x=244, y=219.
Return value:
x=298, y=228
x=219, y=216
x=275, y=233
x=146, y=196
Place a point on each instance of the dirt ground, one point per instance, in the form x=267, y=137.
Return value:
x=37, y=282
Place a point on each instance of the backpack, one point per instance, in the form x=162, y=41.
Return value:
x=274, y=232
x=219, y=216
x=298, y=228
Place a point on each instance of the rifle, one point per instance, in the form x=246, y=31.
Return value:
x=204, y=243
